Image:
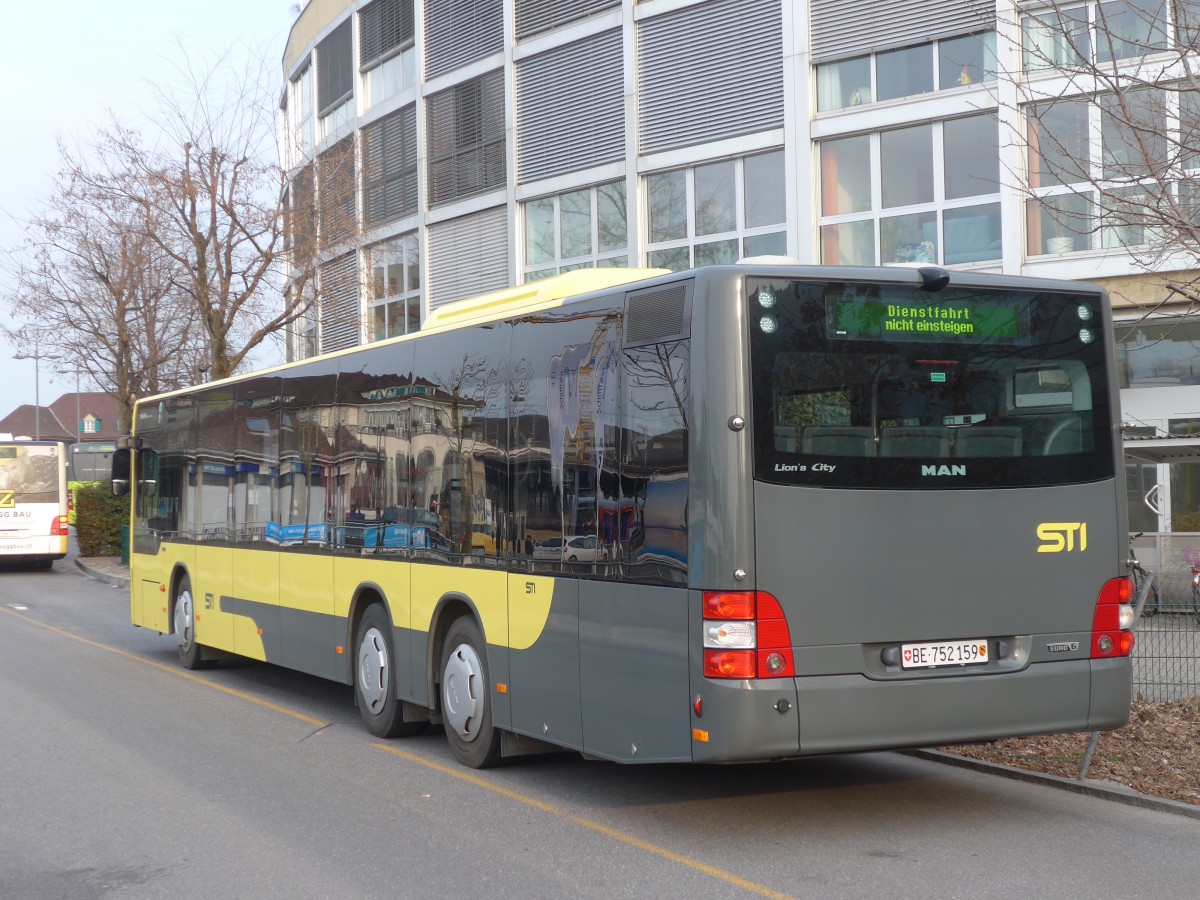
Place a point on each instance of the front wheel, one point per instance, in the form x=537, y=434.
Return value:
x=184, y=619
x=466, y=697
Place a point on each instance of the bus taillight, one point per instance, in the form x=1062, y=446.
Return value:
x=1112, y=624
x=58, y=526
x=746, y=636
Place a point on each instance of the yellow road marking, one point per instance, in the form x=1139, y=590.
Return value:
x=471, y=778
x=173, y=670
x=454, y=772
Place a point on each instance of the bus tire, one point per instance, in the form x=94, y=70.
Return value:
x=467, y=697
x=375, y=677
x=183, y=619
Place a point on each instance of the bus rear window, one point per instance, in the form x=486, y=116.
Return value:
x=887, y=386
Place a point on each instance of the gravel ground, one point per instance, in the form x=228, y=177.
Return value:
x=1157, y=753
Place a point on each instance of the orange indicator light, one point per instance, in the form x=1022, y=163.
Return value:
x=501, y=688
x=698, y=735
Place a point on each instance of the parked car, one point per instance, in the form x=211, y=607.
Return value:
x=551, y=548
x=581, y=549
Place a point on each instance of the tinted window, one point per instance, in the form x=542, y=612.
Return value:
x=860, y=385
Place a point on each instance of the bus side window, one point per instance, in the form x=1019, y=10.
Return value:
x=147, y=473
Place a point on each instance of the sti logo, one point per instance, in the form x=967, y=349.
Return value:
x=1057, y=537
x=8, y=499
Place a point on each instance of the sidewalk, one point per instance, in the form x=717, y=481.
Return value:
x=104, y=568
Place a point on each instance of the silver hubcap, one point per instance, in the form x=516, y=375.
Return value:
x=373, y=670
x=183, y=619
x=462, y=692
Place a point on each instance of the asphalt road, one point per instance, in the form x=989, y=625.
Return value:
x=125, y=776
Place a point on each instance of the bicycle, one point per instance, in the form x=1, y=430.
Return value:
x=1144, y=582
x=1192, y=558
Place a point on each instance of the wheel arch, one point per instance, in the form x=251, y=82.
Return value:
x=366, y=595
x=178, y=573
x=451, y=607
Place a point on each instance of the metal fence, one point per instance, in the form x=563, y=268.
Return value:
x=1166, y=655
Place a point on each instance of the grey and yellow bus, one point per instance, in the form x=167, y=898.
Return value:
x=33, y=502
x=833, y=509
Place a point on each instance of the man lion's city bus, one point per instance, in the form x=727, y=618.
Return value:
x=33, y=502
x=746, y=512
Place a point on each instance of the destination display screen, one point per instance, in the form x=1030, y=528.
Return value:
x=912, y=317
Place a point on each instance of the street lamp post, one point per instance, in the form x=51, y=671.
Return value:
x=36, y=356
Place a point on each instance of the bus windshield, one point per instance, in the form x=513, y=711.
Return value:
x=890, y=386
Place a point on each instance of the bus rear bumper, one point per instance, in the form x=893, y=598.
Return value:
x=849, y=712
x=746, y=721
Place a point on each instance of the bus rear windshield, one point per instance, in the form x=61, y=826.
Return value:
x=888, y=386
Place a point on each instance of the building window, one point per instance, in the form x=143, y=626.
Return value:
x=1058, y=38
x=335, y=69
x=1156, y=352
x=716, y=213
x=394, y=267
x=1100, y=165
x=465, y=127
x=336, y=182
x=300, y=116
x=576, y=230
x=922, y=194
x=909, y=71
x=386, y=49
x=389, y=148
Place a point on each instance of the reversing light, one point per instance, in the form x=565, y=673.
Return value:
x=1087, y=335
x=766, y=297
x=1085, y=313
x=768, y=324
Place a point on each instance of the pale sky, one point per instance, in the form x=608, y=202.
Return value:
x=63, y=65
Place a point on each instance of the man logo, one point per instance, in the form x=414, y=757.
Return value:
x=1057, y=537
x=943, y=470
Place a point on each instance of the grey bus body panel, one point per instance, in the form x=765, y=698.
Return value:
x=633, y=664
x=951, y=566
x=850, y=712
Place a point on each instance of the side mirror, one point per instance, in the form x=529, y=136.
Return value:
x=120, y=472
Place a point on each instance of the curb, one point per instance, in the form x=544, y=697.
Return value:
x=106, y=577
x=1104, y=790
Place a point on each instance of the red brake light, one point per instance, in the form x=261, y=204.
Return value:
x=58, y=526
x=729, y=664
x=1112, y=637
x=765, y=649
x=729, y=605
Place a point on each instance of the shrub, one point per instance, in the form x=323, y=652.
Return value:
x=98, y=520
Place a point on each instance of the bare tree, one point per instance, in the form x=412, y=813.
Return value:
x=1128, y=77
x=213, y=199
x=89, y=282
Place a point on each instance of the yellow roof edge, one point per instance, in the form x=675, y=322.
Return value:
x=486, y=307
x=533, y=295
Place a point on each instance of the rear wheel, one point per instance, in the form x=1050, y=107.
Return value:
x=375, y=678
x=467, y=698
x=184, y=619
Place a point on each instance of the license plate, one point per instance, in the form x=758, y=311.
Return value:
x=931, y=654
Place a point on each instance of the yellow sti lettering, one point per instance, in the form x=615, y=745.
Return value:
x=8, y=499
x=1057, y=537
